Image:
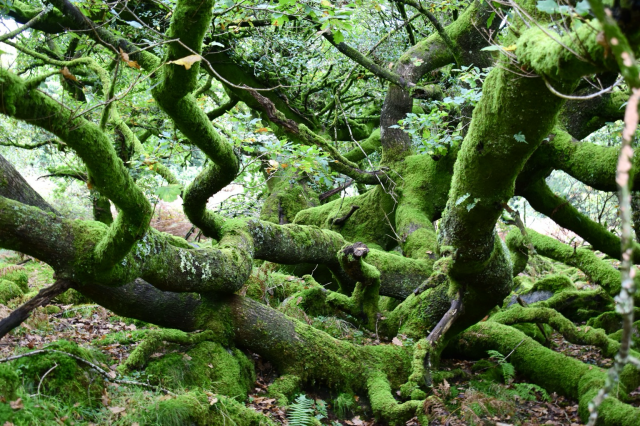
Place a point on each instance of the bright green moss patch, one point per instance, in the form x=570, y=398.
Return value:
x=554, y=283
x=9, y=382
x=70, y=380
x=18, y=276
x=209, y=366
x=284, y=387
x=9, y=290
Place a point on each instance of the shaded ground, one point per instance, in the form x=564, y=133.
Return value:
x=471, y=393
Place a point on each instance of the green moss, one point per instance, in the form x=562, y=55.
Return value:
x=71, y=381
x=518, y=250
x=9, y=382
x=51, y=309
x=155, y=339
x=19, y=277
x=208, y=365
x=385, y=406
x=72, y=297
x=284, y=387
x=554, y=283
x=533, y=331
x=522, y=283
x=9, y=290
x=368, y=224
x=289, y=194
x=598, y=270
x=203, y=409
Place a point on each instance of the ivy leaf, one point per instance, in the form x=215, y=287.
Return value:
x=520, y=137
x=187, y=61
x=168, y=193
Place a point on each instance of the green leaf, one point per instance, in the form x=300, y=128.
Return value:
x=492, y=48
x=548, y=6
x=338, y=37
x=520, y=137
x=582, y=8
x=168, y=193
x=490, y=20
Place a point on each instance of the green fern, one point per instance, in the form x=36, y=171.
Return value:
x=508, y=370
x=301, y=412
x=527, y=391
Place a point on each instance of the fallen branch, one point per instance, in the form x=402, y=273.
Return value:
x=44, y=297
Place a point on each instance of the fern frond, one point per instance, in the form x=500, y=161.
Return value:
x=508, y=371
x=526, y=391
x=9, y=269
x=497, y=355
x=301, y=412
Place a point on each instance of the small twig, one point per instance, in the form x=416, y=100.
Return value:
x=100, y=370
x=580, y=98
x=45, y=375
x=514, y=349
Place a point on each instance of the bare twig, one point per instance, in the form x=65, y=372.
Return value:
x=107, y=375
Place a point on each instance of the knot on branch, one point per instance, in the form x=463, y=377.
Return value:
x=273, y=114
x=430, y=92
x=358, y=250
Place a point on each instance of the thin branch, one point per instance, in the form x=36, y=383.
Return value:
x=43, y=298
x=581, y=98
x=28, y=25
x=107, y=375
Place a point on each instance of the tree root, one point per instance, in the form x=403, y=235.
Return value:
x=385, y=406
x=155, y=339
x=579, y=305
x=577, y=335
x=551, y=370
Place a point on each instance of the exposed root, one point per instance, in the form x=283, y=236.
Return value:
x=551, y=370
x=155, y=339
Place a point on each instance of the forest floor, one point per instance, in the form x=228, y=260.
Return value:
x=475, y=394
